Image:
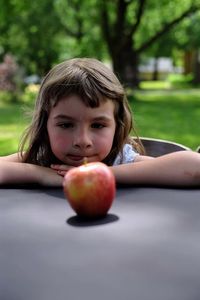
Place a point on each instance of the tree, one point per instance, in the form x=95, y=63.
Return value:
x=42, y=33
x=31, y=32
x=81, y=22
x=187, y=39
x=121, y=35
x=128, y=27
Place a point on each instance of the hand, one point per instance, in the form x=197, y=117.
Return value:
x=48, y=177
x=61, y=169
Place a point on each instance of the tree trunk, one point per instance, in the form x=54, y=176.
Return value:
x=155, y=70
x=197, y=68
x=125, y=65
x=188, y=60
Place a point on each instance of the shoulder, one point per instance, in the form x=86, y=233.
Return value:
x=15, y=157
x=127, y=155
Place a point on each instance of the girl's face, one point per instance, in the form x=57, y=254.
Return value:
x=76, y=131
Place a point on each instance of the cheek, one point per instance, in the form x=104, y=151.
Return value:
x=58, y=142
x=104, y=144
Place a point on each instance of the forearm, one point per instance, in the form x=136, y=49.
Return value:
x=17, y=173
x=175, y=169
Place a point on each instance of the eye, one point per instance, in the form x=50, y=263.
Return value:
x=65, y=125
x=97, y=125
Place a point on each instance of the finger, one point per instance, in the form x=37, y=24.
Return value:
x=61, y=173
x=60, y=167
x=54, y=167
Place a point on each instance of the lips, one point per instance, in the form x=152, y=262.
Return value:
x=79, y=159
x=76, y=157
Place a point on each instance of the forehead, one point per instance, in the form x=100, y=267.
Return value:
x=74, y=105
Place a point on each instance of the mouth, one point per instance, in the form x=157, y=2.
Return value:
x=76, y=157
x=80, y=159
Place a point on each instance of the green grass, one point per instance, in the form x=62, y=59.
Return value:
x=154, y=85
x=167, y=114
x=12, y=124
x=13, y=120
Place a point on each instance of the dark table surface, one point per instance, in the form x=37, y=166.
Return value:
x=147, y=248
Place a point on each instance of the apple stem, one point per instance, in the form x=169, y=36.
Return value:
x=85, y=161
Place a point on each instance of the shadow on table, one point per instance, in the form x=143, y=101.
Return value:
x=55, y=192
x=85, y=222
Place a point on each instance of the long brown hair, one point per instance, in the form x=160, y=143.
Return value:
x=93, y=82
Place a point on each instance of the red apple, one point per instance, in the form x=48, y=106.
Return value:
x=90, y=189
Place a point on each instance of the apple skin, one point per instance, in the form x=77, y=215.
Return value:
x=90, y=189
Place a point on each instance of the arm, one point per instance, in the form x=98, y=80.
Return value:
x=12, y=172
x=15, y=157
x=174, y=169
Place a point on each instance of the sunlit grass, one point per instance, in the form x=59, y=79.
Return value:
x=155, y=85
x=9, y=138
x=13, y=120
x=171, y=115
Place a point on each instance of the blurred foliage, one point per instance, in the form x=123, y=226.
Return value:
x=31, y=31
x=180, y=81
x=41, y=34
x=173, y=82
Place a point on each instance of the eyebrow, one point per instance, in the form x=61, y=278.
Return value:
x=98, y=118
x=63, y=117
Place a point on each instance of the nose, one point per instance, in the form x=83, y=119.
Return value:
x=82, y=139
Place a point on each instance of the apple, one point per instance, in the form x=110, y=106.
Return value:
x=90, y=189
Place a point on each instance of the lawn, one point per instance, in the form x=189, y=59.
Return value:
x=12, y=124
x=13, y=120
x=166, y=114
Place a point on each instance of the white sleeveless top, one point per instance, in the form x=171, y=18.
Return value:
x=128, y=155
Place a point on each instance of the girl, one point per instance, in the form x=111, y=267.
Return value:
x=82, y=111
